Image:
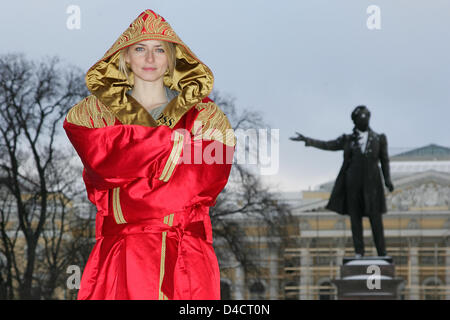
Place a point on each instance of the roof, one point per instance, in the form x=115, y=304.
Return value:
x=431, y=152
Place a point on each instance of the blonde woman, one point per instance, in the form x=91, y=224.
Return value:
x=139, y=135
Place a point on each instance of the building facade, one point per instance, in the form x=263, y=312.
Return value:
x=416, y=226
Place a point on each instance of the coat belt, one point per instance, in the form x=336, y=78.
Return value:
x=173, y=264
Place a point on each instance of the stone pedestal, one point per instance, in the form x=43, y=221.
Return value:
x=367, y=278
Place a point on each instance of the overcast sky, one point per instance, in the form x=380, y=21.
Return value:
x=304, y=65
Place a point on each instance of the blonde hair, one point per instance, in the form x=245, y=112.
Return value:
x=168, y=47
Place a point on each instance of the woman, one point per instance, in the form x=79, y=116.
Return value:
x=140, y=136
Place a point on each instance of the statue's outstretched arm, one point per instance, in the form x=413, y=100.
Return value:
x=332, y=145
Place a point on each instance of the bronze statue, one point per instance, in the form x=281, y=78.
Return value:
x=358, y=190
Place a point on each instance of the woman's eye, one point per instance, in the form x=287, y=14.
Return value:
x=138, y=49
x=160, y=50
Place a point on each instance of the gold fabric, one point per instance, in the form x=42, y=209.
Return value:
x=169, y=221
x=173, y=157
x=117, y=208
x=214, y=125
x=91, y=113
x=191, y=78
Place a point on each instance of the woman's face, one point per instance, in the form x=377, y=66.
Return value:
x=147, y=60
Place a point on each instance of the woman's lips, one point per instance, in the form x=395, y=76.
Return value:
x=149, y=69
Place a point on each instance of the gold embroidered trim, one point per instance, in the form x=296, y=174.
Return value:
x=213, y=124
x=117, y=209
x=153, y=24
x=169, y=221
x=91, y=113
x=107, y=83
x=173, y=157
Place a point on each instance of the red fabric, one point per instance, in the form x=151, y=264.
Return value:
x=125, y=262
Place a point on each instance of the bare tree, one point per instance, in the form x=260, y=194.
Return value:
x=245, y=202
x=41, y=230
x=37, y=180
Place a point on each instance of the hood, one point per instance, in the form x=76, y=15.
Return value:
x=192, y=79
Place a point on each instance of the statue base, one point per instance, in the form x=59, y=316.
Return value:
x=367, y=278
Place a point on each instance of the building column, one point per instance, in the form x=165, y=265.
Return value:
x=305, y=273
x=413, y=281
x=340, y=253
x=447, y=270
x=239, y=283
x=273, y=281
x=340, y=249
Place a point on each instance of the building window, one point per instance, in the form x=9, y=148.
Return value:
x=225, y=290
x=323, y=260
x=257, y=291
x=431, y=288
x=400, y=259
x=291, y=291
x=326, y=291
x=431, y=259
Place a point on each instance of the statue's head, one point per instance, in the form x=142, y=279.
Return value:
x=361, y=117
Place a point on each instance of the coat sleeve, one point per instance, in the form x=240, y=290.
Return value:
x=333, y=145
x=213, y=134
x=384, y=158
x=115, y=154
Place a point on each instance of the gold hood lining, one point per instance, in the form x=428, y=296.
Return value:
x=191, y=77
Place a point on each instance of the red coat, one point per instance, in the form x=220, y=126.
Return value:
x=153, y=182
x=152, y=227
